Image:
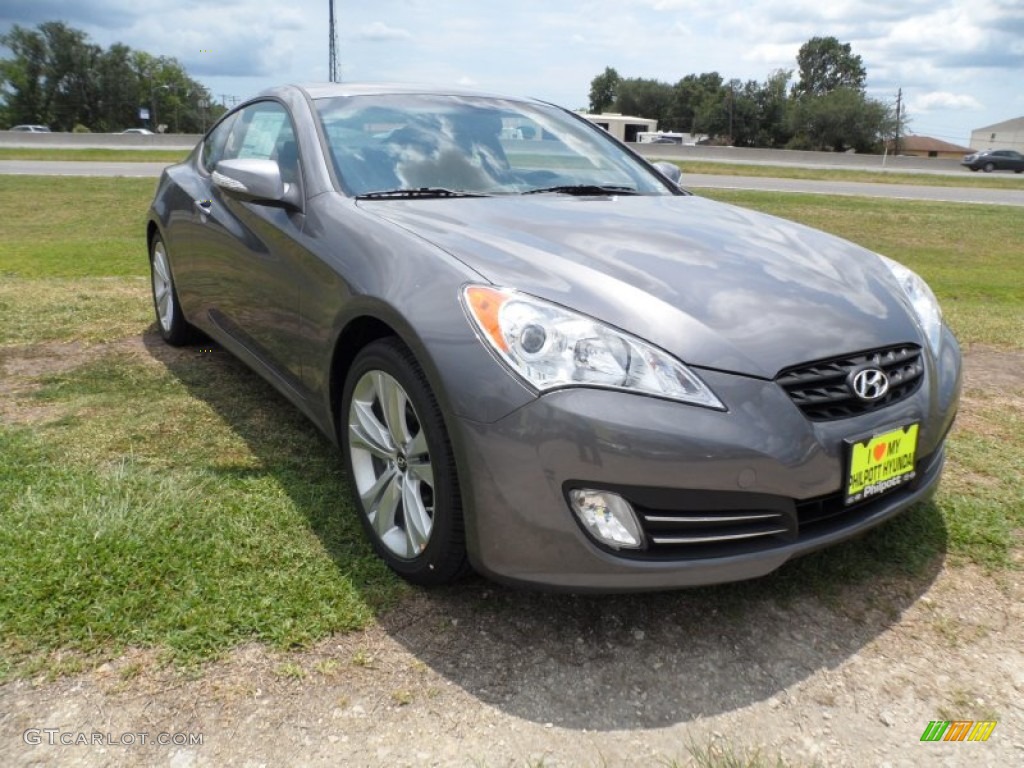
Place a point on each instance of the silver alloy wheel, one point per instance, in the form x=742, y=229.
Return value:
x=163, y=292
x=391, y=464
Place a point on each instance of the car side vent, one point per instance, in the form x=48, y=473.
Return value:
x=821, y=389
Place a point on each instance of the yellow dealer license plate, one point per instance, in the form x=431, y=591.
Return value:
x=881, y=463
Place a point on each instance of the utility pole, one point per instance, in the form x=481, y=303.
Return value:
x=899, y=109
x=732, y=108
x=332, y=65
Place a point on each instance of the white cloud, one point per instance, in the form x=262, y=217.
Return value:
x=943, y=100
x=379, y=31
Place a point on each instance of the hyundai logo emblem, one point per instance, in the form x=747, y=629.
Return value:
x=870, y=384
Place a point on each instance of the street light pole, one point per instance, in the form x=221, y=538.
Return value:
x=155, y=125
x=166, y=87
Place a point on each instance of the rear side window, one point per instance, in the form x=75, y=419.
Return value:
x=213, y=147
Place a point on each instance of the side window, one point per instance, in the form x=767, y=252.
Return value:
x=262, y=131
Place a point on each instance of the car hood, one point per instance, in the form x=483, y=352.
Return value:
x=716, y=285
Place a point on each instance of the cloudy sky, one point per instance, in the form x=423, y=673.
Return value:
x=959, y=62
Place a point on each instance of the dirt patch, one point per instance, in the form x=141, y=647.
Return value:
x=486, y=676
x=989, y=369
x=24, y=368
x=564, y=681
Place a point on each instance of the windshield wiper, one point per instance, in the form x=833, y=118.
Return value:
x=585, y=189
x=418, y=192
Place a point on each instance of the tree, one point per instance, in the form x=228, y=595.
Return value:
x=772, y=109
x=693, y=96
x=58, y=78
x=604, y=90
x=119, y=95
x=840, y=120
x=825, y=65
x=645, y=98
x=22, y=79
x=826, y=109
x=70, y=72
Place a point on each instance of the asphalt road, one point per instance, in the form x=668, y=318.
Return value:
x=695, y=181
x=79, y=168
x=860, y=189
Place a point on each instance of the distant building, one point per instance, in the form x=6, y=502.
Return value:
x=926, y=146
x=622, y=127
x=1008, y=134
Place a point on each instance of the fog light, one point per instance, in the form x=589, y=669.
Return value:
x=607, y=517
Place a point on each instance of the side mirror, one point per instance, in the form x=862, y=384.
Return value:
x=670, y=171
x=256, y=180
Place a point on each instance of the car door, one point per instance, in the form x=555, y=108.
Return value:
x=245, y=251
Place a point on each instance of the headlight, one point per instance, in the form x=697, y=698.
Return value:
x=925, y=305
x=552, y=347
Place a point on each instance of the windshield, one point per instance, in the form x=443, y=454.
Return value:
x=475, y=145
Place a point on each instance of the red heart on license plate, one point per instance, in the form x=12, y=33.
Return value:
x=879, y=451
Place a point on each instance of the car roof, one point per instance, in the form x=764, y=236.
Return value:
x=334, y=90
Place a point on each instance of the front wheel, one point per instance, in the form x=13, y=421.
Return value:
x=174, y=328
x=988, y=168
x=401, y=465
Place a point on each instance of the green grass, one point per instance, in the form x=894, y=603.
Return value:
x=103, y=155
x=73, y=227
x=179, y=505
x=169, y=499
x=867, y=176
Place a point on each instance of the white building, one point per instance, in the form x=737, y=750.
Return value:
x=1008, y=134
x=622, y=127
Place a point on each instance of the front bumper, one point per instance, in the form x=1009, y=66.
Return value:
x=516, y=472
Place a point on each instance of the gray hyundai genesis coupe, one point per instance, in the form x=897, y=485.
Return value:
x=542, y=358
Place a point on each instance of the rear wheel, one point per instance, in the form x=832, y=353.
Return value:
x=988, y=168
x=401, y=465
x=174, y=328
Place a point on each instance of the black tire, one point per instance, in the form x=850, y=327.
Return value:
x=170, y=320
x=441, y=557
x=973, y=168
x=988, y=167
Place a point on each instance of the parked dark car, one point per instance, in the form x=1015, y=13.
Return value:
x=989, y=160
x=539, y=355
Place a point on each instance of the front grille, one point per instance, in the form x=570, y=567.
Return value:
x=824, y=511
x=820, y=389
